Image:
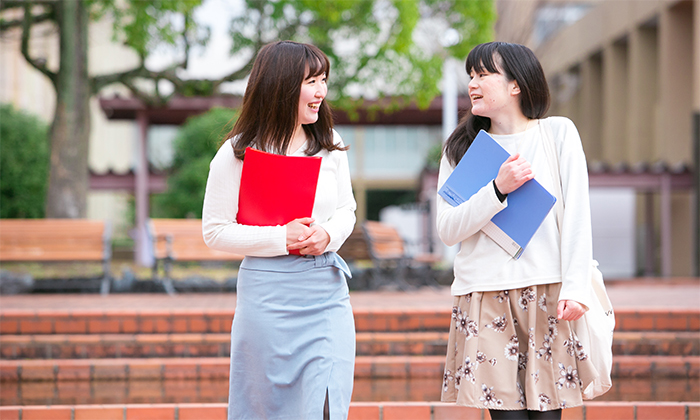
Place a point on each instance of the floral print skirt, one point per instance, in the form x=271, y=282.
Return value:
x=508, y=351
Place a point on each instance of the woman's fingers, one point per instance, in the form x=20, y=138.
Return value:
x=296, y=229
x=514, y=172
x=569, y=310
x=304, y=220
x=315, y=243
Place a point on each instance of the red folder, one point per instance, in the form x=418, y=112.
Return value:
x=276, y=189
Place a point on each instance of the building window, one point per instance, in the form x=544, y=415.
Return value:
x=551, y=18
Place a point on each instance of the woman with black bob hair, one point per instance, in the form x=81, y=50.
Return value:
x=293, y=333
x=512, y=349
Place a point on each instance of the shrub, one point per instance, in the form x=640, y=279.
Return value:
x=195, y=145
x=24, y=164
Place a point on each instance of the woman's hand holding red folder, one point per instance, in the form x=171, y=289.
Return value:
x=309, y=240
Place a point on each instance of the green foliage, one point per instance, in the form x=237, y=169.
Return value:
x=377, y=48
x=198, y=88
x=432, y=160
x=380, y=48
x=24, y=164
x=379, y=199
x=145, y=25
x=195, y=145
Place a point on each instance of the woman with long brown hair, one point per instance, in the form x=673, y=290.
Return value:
x=293, y=334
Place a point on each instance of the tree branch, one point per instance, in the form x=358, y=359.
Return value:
x=187, y=41
x=5, y=4
x=99, y=82
x=9, y=24
x=26, y=31
x=147, y=99
x=20, y=4
x=235, y=75
x=185, y=87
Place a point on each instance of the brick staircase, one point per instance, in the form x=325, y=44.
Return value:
x=173, y=364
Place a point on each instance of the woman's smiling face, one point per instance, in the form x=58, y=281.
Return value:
x=491, y=93
x=313, y=91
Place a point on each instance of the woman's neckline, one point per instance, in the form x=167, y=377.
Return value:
x=301, y=147
x=529, y=129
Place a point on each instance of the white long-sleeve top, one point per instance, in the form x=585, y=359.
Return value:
x=482, y=265
x=334, y=206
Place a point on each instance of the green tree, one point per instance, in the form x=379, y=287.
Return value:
x=195, y=145
x=24, y=164
x=70, y=129
x=376, y=47
x=379, y=47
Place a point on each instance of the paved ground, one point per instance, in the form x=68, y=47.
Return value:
x=681, y=293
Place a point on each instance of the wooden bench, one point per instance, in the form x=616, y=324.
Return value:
x=57, y=240
x=355, y=247
x=390, y=262
x=180, y=240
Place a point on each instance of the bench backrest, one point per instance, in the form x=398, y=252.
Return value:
x=186, y=241
x=54, y=240
x=383, y=241
x=355, y=247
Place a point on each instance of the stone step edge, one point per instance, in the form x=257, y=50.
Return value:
x=590, y=410
x=365, y=367
x=202, y=321
x=387, y=310
x=86, y=346
x=201, y=338
x=225, y=338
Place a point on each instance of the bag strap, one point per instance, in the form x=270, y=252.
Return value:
x=550, y=150
x=598, y=287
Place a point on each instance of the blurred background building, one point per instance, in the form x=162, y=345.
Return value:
x=627, y=72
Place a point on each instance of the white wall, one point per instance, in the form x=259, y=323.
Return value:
x=613, y=217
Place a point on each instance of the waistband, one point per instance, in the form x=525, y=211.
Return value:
x=296, y=263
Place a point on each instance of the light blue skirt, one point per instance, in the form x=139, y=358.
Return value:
x=292, y=339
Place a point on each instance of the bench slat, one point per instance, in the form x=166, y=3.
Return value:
x=41, y=256
x=187, y=241
x=52, y=240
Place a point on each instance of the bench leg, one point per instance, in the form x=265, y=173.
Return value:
x=381, y=277
x=168, y=285
x=104, y=287
x=425, y=276
x=401, y=276
x=167, y=280
x=106, y=269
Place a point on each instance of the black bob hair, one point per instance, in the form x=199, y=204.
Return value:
x=515, y=62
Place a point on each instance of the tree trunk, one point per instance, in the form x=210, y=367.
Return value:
x=70, y=130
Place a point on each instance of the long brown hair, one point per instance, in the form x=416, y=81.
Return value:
x=516, y=62
x=269, y=113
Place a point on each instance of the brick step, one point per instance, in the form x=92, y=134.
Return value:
x=157, y=391
x=656, y=343
x=591, y=410
x=67, y=346
x=13, y=322
x=365, y=389
x=367, y=367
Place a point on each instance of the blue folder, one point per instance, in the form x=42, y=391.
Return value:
x=514, y=226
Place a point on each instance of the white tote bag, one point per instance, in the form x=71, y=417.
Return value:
x=595, y=328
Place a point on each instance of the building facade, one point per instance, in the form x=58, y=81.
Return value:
x=627, y=73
